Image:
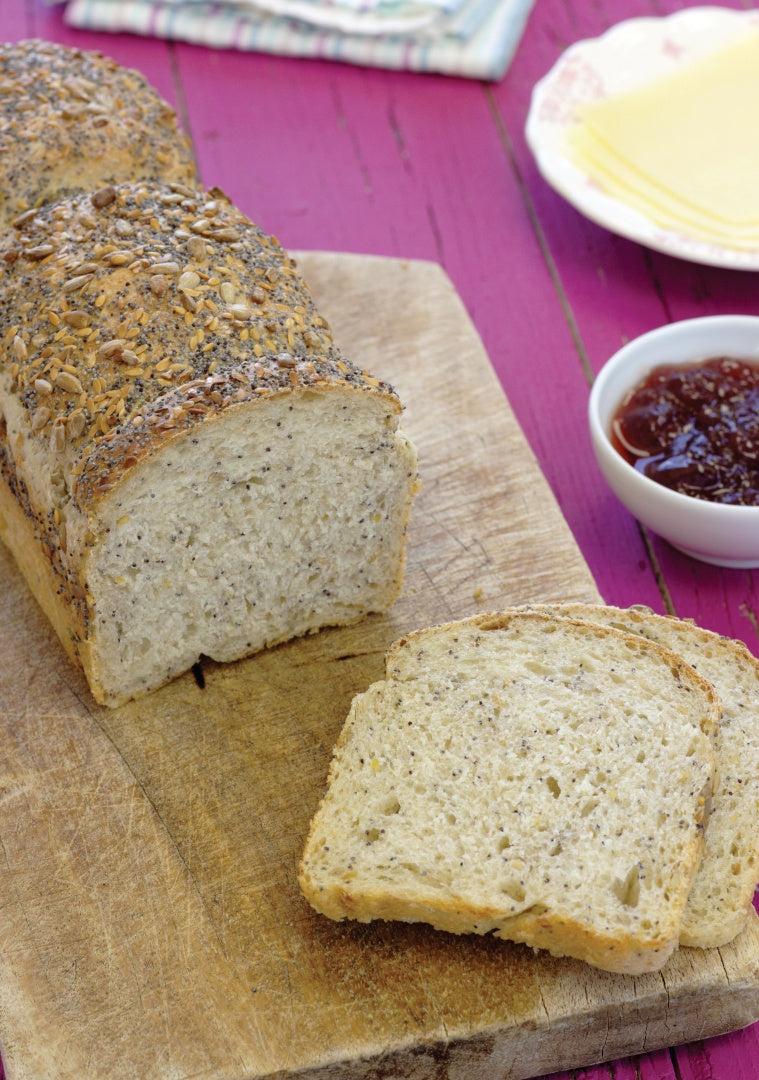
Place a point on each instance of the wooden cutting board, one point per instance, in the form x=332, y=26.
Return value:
x=151, y=922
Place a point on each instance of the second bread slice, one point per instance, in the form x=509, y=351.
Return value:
x=543, y=779
x=722, y=892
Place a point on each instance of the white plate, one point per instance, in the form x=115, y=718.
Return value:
x=627, y=56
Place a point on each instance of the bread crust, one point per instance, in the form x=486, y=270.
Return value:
x=548, y=931
x=35, y=561
x=74, y=120
x=498, y=620
x=154, y=311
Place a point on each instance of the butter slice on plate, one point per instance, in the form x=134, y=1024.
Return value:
x=683, y=150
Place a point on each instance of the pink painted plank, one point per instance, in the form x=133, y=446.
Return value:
x=730, y=1057
x=616, y=290
x=654, y=1066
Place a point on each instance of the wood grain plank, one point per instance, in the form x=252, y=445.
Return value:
x=149, y=854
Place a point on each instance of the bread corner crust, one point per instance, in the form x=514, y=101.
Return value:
x=499, y=620
x=195, y=346
x=177, y=414
x=621, y=956
x=18, y=534
x=561, y=937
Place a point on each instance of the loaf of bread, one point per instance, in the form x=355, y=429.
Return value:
x=75, y=121
x=722, y=892
x=543, y=779
x=190, y=466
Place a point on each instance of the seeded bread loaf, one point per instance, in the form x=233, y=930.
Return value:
x=190, y=466
x=75, y=121
x=544, y=779
x=722, y=892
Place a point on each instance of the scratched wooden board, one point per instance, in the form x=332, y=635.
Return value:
x=151, y=922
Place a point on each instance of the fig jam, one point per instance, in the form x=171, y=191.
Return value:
x=695, y=428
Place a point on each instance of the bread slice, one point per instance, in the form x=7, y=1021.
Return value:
x=722, y=892
x=74, y=120
x=544, y=779
x=190, y=465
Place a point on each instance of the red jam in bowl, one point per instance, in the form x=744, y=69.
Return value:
x=695, y=428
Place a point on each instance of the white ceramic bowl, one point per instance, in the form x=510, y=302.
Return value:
x=712, y=532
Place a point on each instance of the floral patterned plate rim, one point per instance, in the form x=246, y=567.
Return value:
x=628, y=55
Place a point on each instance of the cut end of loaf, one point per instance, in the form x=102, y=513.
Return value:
x=537, y=778
x=264, y=524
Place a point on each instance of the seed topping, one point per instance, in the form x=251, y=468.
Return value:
x=103, y=197
x=66, y=381
x=168, y=326
x=75, y=318
x=41, y=251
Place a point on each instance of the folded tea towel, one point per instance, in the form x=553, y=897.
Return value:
x=470, y=38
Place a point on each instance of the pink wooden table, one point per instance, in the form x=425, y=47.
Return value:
x=333, y=157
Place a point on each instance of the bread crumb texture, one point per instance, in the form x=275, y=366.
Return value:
x=544, y=779
x=205, y=471
x=73, y=120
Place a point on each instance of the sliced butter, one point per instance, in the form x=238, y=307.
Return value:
x=684, y=150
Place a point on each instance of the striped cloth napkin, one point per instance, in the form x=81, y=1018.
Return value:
x=471, y=38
